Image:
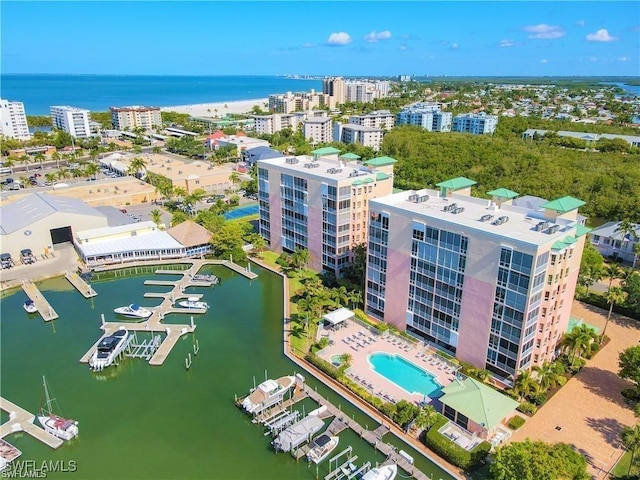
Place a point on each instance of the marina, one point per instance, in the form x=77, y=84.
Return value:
x=45, y=310
x=21, y=420
x=83, y=287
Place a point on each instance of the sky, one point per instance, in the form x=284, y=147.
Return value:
x=321, y=38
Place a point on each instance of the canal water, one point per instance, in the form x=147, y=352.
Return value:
x=138, y=421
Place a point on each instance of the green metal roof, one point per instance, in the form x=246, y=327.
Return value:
x=326, y=151
x=350, y=156
x=564, y=204
x=482, y=404
x=368, y=180
x=564, y=243
x=582, y=230
x=456, y=183
x=357, y=182
x=503, y=193
x=382, y=176
x=381, y=161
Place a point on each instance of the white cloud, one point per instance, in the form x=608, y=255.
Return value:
x=601, y=35
x=338, y=39
x=454, y=46
x=403, y=47
x=374, y=36
x=581, y=23
x=544, y=31
x=507, y=43
x=544, y=60
x=623, y=59
x=593, y=59
x=308, y=45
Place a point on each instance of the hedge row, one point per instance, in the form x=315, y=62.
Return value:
x=599, y=301
x=450, y=451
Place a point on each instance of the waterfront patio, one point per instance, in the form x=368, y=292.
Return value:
x=359, y=342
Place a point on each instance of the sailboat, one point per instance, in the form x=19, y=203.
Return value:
x=63, y=428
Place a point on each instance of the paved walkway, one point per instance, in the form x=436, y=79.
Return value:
x=589, y=412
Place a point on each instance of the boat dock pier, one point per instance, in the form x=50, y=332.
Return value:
x=45, y=310
x=22, y=421
x=83, y=287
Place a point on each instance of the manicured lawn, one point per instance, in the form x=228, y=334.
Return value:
x=621, y=470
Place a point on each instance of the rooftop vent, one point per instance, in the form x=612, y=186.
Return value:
x=457, y=210
x=541, y=226
x=423, y=198
x=500, y=220
x=486, y=218
x=552, y=229
x=414, y=198
x=292, y=160
x=308, y=165
x=450, y=208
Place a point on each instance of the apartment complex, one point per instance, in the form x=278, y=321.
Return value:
x=335, y=89
x=13, y=120
x=365, y=91
x=135, y=116
x=318, y=130
x=297, y=102
x=365, y=136
x=475, y=123
x=491, y=282
x=378, y=119
x=320, y=203
x=72, y=120
x=428, y=116
x=270, y=124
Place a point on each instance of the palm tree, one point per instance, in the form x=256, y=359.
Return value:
x=340, y=295
x=136, y=166
x=525, y=385
x=354, y=297
x=628, y=231
x=156, y=216
x=258, y=243
x=9, y=162
x=179, y=192
x=300, y=258
x=63, y=173
x=91, y=170
x=195, y=196
x=612, y=271
x=346, y=359
x=636, y=253
x=234, y=177
x=614, y=295
x=591, y=275
x=57, y=157
x=426, y=417
x=550, y=374
x=26, y=159
x=156, y=149
x=631, y=440
x=40, y=157
x=50, y=177
x=578, y=341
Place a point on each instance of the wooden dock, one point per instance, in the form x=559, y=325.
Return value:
x=237, y=268
x=45, y=310
x=22, y=421
x=83, y=287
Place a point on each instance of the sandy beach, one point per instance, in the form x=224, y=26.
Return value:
x=218, y=109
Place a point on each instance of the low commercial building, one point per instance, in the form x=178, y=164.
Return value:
x=365, y=136
x=240, y=140
x=126, y=243
x=195, y=238
x=135, y=117
x=531, y=133
x=73, y=120
x=41, y=221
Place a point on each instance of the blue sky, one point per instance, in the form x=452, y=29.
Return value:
x=322, y=38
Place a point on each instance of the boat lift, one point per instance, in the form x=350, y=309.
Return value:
x=144, y=349
x=337, y=473
x=282, y=423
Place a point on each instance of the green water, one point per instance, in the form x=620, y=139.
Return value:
x=138, y=421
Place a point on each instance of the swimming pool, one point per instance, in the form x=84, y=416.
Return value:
x=405, y=374
x=241, y=212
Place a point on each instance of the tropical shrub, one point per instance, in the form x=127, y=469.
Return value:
x=516, y=422
x=527, y=408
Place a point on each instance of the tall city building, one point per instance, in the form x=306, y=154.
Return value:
x=428, y=116
x=135, y=116
x=270, y=124
x=475, y=123
x=72, y=120
x=378, y=119
x=297, y=102
x=318, y=130
x=365, y=136
x=335, y=88
x=319, y=203
x=13, y=120
x=491, y=282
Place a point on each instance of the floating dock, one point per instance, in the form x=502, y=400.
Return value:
x=45, y=310
x=22, y=421
x=83, y=287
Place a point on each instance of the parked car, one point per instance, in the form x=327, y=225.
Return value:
x=6, y=181
x=26, y=256
x=6, y=260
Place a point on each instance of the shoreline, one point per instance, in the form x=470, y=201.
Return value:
x=218, y=109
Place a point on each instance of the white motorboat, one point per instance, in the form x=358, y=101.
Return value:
x=267, y=393
x=29, y=306
x=297, y=434
x=194, y=303
x=386, y=472
x=63, y=428
x=133, y=311
x=108, y=350
x=206, y=278
x=321, y=447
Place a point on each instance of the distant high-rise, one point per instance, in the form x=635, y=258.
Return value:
x=72, y=120
x=135, y=117
x=335, y=88
x=475, y=123
x=13, y=120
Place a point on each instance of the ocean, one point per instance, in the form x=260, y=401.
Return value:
x=99, y=92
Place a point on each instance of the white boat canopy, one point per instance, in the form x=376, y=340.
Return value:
x=338, y=316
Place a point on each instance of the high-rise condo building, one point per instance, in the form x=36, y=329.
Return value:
x=135, y=116
x=270, y=124
x=475, y=123
x=318, y=130
x=365, y=136
x=379, y=119
x=72, y=120
x=319, y=203
x=491, y=282
x=335, y=88
x=297, y=102
x=428, y=116
x=13, y=120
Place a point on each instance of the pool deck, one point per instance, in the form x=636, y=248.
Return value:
x=358, y=342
